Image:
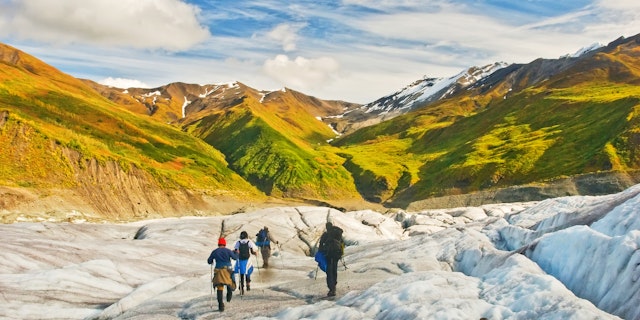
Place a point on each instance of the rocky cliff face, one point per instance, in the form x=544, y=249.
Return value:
x=586, y=184
x=103, y=192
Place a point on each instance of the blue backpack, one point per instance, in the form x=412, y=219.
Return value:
x=321, y=260
x=261, y=238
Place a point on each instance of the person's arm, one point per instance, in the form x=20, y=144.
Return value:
x=233, y=255
x=271, y=239
x=210, y=260
x=253, y=248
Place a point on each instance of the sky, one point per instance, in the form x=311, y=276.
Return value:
x=572, y=257
x=351, y=50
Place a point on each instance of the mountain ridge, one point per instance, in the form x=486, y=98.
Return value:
x=61, y=138
x=516, y=125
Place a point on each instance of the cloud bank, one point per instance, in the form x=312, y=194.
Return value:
x=146, y=24
x=301, y=72
x=352, y=50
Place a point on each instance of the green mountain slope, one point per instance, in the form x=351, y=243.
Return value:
x=582, y=120
x=276, y=143
x=55, y=127
x=530, y=123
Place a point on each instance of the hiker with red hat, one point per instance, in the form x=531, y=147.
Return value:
x=223, y=273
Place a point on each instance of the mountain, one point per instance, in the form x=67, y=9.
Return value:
x=523, y=124
x=276, y=141
x=503, y=132
x=65, y=142
x=419, y=93
x=430, y=90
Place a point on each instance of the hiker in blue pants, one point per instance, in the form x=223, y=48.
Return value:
x=245, y=248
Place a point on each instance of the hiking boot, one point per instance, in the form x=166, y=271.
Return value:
x=221, y=307
x=332, y=293
x=248, y=287
x=229, y=294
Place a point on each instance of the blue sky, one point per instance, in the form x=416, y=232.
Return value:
x=352, y=50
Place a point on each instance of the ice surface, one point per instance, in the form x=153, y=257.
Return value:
x=564, y=258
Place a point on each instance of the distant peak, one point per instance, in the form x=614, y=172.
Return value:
x=583, y=50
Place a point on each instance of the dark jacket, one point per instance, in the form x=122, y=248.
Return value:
x=326, y=247
x=222, y=257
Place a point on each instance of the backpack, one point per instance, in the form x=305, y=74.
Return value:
x=334, y=246
x=244, y=253
x=261, y=238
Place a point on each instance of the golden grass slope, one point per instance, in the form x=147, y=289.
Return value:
x=47, y=113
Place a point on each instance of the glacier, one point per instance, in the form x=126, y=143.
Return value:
x=564, y=258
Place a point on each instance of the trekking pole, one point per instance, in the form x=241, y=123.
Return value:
x=316, y=278
x=345, y=274
x=257, y=264
x=281, y=258
x=211, y=287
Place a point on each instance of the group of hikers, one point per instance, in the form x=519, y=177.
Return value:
x=330, y=250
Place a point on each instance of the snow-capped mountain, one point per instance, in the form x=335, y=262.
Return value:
x=585, y=50
x=428, y=90
x=413, y=96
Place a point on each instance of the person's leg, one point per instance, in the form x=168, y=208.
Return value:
x=219, y=296
x=229, y=293
x=332, y=275
x=248, y=276
x=265, y=256
x=335, y=275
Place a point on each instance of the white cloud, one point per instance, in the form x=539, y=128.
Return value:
x=156, y=24
x=376, y=54
x=619, y=4
x=123, y=83
x=480, y=37
x=301, y=73
x=287, y=34
x=615, y=19
x=390, y=4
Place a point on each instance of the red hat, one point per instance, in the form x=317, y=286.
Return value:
x=222, y=242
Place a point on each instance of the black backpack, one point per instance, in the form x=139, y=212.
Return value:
x=244, y=253
x=334, y=246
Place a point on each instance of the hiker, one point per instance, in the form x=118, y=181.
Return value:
x=332, y=247
x=263, y=240
x=245, y=248
x=223, y=275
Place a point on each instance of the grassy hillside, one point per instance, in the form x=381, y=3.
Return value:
x=579, y=116
x=48, y=112
x=583, y=120
x=277, y=145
